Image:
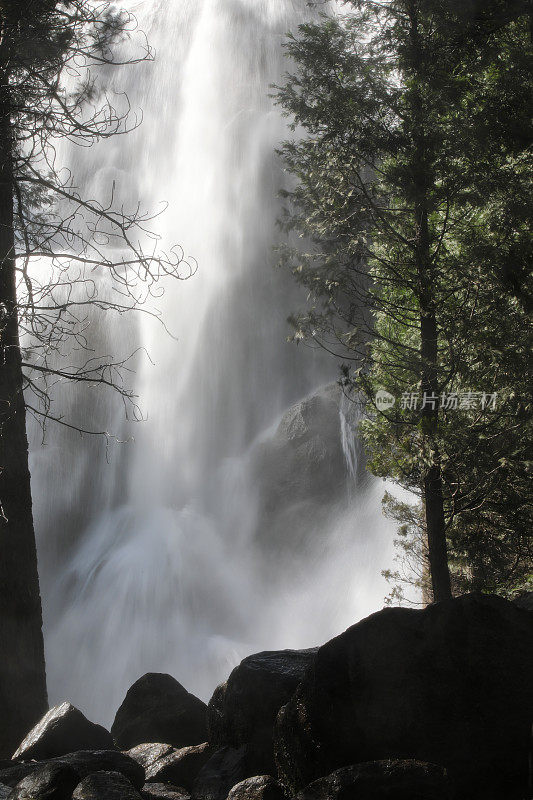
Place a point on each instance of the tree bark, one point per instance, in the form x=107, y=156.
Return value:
x=23, y=697
x=422, y=181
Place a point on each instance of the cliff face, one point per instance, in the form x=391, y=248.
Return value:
x=302, y=470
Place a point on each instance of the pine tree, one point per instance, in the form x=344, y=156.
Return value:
x=401, y=168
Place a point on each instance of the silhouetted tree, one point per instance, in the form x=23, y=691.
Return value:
x=89, y=255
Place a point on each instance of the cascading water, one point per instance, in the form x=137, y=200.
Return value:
x=186, y=550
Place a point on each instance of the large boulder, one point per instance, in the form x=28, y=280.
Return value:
x=180, y=767
x=105, y=786
x=301, y=471
x=84, y=763
x=48, y=782
x=450, y=684
x=382, y=780
x=158, y=709
x=243, y=710
x=260, y=787
x=62, y=730
x=224, y=770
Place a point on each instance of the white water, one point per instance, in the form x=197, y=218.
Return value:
x=158, y=560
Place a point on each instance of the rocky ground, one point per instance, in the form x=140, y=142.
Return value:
x=433, y=704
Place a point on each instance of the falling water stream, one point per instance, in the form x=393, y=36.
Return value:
x=166, y=556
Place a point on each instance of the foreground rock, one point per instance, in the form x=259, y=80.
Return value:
x=260, y=787
x=105, y=786
x=148, y=753
x=243, y=710
x=84, y=763
x=180, y=767
x=62, y=730
x=158, y=709
x=450, y=685
x=5, y=791
x=382, y=780
x=48, y=782
x=162, y=791
x=224, y=770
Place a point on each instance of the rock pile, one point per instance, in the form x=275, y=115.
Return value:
x=435, y=704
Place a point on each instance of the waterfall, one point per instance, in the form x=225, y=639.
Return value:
x=178, y=551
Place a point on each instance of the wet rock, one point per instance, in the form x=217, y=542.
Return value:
x=48, y=782
x=148, y=753
x=180, y=767
x=158, y=709
x=243, y=710
x=260, y=787
x=382, y=780
x=105, y=786
x=84, y=763
x=301, y=471
x=62, y=730
x=163, y=791
x=227, y=767
x=450, y=684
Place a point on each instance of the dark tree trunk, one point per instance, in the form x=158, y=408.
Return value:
x=422, y=181
x=432, y=488
x=23, y=698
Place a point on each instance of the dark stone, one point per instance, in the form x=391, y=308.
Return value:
x=84, y=763
x=301, y=473
x=180, y=767
x=243, y=710
x=524, y=600
x=260, y=787
x=223, y=771
x=158, y=709
x=5, y=791
x=148, y=753
x=62, y=730
x=382, y=780
x=162, y=791
x=47, y=782
x=450, y=684
x=105, y=786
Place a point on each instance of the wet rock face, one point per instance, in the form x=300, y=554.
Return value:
x=382, y=780
x=148, y=753
x=105, y=786
x=158, y=709
x=301, y=472
x=243, y=710
x=450, y=685
x=62, y=730
x=260, y=787
x=48, y=782
x=180, y=767
x=164, y=791
x=83, y=763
